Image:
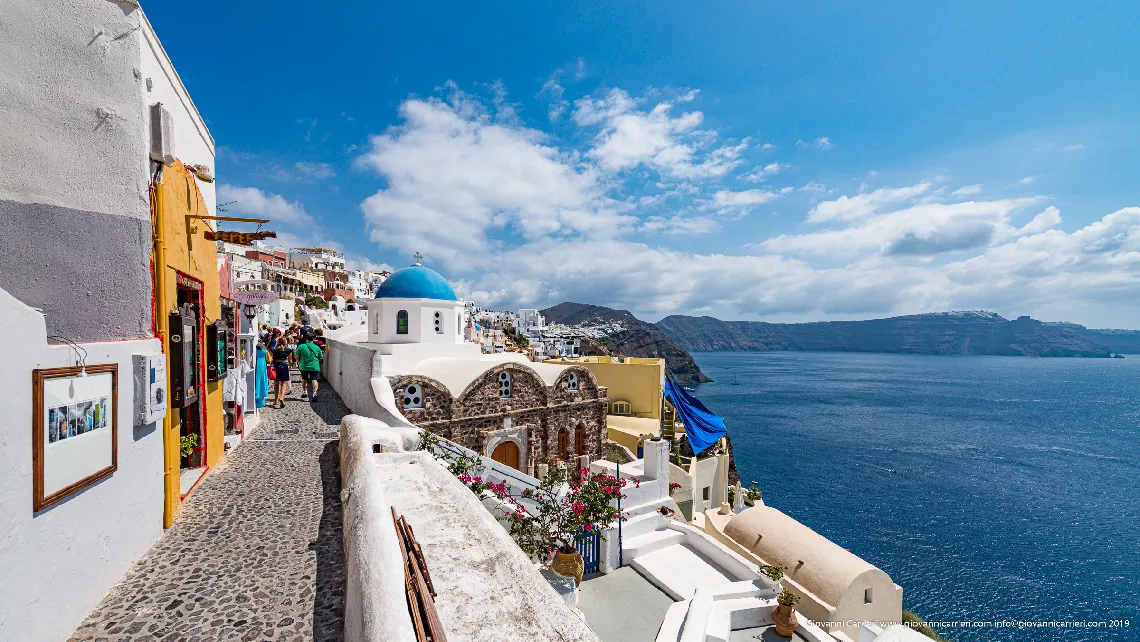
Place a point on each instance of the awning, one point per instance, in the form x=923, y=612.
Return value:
x=702, y=427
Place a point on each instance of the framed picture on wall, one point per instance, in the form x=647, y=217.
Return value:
x=74, y=430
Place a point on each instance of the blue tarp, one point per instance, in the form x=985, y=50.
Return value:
x=702, y=427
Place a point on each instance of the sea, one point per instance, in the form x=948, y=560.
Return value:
x=1000, y=490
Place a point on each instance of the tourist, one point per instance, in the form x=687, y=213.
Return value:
x=319, y=338
x=282, y=352
x=309, y=363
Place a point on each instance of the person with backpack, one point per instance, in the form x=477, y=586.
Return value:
x=309, y=356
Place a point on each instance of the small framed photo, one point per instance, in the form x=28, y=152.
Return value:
x=74, y=430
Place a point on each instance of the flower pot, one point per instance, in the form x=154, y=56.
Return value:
x=785, y=620
x=569, y=564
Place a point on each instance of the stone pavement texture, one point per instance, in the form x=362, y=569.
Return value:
x=255, y=553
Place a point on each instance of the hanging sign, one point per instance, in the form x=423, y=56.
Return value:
x=255, y=297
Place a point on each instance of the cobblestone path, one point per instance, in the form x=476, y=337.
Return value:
x=255, y=553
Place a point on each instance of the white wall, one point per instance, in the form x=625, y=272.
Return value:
x=78, y=124
x=193, y=144
x=382, y=315
x=56, y=565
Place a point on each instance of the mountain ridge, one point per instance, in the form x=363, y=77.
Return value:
x=636, y=338
x=965, y=333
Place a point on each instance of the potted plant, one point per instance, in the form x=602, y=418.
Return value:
x=752, y=495
x=785, y=615
x=186, y=446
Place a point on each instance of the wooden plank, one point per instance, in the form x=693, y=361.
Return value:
x=419, y=553
x=435, y=627
x=410, y=587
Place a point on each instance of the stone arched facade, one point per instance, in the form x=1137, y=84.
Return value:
x=480, y=418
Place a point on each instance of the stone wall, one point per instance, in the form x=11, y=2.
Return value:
x=480, y=418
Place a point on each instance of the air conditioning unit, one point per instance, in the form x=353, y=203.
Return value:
x=161, y=135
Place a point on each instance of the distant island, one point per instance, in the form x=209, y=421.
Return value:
x=618, y=332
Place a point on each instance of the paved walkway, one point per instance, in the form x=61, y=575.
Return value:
x=256, y=551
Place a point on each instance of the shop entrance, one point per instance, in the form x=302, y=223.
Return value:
x=191, y=418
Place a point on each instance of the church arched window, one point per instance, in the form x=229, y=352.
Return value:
x=572, y=381
x=504, y=385
x=438, y=322
x=402, y=322
x=413, y=396
x=580, y=440
x=563, y=444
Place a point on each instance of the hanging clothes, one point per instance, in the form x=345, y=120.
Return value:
x=262, y=378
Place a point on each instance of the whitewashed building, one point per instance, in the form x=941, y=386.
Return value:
x=81, y=84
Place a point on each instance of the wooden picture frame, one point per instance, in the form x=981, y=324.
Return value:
x=73, y=449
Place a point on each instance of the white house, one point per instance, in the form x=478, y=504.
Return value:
x=81, y=84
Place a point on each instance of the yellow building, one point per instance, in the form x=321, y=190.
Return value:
x=636, y=387
x=186, y=292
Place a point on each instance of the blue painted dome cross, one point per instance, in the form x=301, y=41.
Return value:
x=416, y=282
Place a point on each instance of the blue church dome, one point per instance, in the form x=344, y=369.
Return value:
x=416, y=282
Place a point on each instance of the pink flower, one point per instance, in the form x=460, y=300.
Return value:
x=478, y=480
x=589, y=527
x=577, y=508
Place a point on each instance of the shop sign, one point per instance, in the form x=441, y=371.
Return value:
x=255, y=297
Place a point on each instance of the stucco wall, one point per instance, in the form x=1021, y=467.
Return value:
x=59, y=563
x=193, y=144
x=471, y=559
x=74, y=142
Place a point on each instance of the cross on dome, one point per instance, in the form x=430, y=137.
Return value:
x=417, y=257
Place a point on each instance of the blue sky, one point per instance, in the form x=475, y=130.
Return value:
x=748, y=160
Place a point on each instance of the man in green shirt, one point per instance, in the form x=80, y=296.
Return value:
x=309, y=357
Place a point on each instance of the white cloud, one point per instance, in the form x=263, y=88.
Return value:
x=1073, y=148
x=556, y=94
x=353, y=261
x=1096, y=263
x=673, y=145
x=767, y=147
x=1027, y=180
x=254, y=202
x=968, y=190
x=516, y=218
x=822, y=143
x=847, y=208
x=761, y=173
x=920, y=230
x=315, y=170
x=680, y=225
x=453, y=175
x=726, y=198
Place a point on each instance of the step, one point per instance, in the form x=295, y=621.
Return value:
x=739, y=613
x=634, y=547
x=678, y=571
x=674, y=620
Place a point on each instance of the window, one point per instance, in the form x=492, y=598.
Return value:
x=621, y=408
x=563, y=444
x=438, y=322
x=572, y=381
x=504, y=385
x=402, y=322
x=580, y=440
x=705, y=493
x=413, y=396
x=867, y=596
